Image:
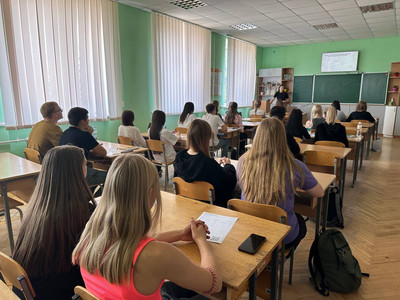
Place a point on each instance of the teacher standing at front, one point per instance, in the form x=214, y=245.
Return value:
x=282, y=98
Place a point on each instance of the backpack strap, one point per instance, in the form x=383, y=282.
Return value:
x=314, y=256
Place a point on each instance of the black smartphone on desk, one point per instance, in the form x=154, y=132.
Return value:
x=252, y=243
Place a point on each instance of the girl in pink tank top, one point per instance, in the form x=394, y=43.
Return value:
x=117, y=257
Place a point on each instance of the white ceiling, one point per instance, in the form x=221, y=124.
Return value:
x=285, y=22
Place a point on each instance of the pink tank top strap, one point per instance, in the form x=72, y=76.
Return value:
x=140, y=247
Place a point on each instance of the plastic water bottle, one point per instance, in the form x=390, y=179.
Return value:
x=359, y=128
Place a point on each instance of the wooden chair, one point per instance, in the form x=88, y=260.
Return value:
x=362, y=121
x=197, y=190
x=123, y=140
x=272, y=213
x=13, y=203
x=236, y=139
x=255, y=118
x=84, y=294
x=14, y=273
x=330, y=143
x=351, y=131
x=323, y=161
x=33, y=155
x=347, y=124
x=181, y=130
x=158, y=147
x=298, y=140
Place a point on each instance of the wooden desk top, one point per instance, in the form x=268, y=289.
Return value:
x=250, y=124
x=14, y=167
x=341, y=152
x=364, y=125
x=115, y=149
x=324, y=179
x=6, y=293
x=235, y=266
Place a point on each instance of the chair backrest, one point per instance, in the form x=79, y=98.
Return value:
x=351, y=131
x=181, y=130
x=84, y=294
x=298, y=140
x=198, y=190
x=330, y=143
x=362, y=121
x=125, y=140
x=33, y=155
x=255, y=118
x=322, y=161
x=347, y=124
x=265, y=211
x=16, y=275
x=155, y=145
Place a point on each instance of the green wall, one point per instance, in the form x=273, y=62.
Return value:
x=375, y=55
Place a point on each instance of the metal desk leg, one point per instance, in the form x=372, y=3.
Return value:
x=362, y=153
x=282, y=263
x=325, y=211
x=274, y=273
x=318, y=218
x=252, y=286
x=369, y=142
x=343, y=177
x=7, y=214
x=355, y=167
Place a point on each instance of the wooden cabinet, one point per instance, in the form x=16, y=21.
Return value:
x=394, y=84
x=268, y=82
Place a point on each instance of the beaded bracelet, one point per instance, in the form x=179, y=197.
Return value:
x=214, y=285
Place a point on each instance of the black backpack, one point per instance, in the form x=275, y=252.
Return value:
x=332, y=265
x=335, y=216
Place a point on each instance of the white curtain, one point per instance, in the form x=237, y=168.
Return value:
x=182, y=64
x=60, y=50
x=241, y=72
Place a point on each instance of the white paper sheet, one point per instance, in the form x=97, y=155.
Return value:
x=218, y=225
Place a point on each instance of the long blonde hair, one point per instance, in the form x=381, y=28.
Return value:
x=316, y=111
x=268, y=165
x=331, y=115
x=56, y=214
x=121, y=220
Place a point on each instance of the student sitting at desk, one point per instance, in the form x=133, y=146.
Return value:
x=216, y=103
x=316, y=116
x=294, y=125
x=340, y=115
x=233, y=118
x=361, y=113
x=195, y=164
x=215, y=122
x=279, y=112
x=257, y=111
x=268, y=174
x=187, y=115
x=330, y=130
x=121, y=254
x=80, y=134
x=129, y=130
x=157, y=132
x=53, y=221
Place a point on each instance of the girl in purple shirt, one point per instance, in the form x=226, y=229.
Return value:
x=269, y=174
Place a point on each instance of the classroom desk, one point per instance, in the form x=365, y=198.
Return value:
x=250, y=124
x=357, y=144
x=6, y=293
x=230, y=134
x=238, y=269
x=15, y=173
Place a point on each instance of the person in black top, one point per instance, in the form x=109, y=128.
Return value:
x=279, y=112
x=330, y=130
x=361, y=113
x=282, y=97
x=80, y=134
x=195, y=163
x=294, y=125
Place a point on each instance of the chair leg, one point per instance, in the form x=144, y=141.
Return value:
x=20, y=212
x=291, y=265
x=166, y=177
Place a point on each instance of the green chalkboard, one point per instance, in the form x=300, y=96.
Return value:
x=345, y=88
x=374, y=87
x=302, y=88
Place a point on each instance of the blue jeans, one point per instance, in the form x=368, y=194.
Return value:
x=224, y=145
x=95, y=177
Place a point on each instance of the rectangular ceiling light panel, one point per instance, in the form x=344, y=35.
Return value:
x=188, y=4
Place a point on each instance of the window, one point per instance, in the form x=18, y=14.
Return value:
x=64, y=51
x=182, y=64
x=241, y=72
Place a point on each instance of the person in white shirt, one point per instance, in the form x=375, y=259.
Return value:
x=129, y=130
x=257, y=111
x=187, y=115
x=157, y=132
x=215, y=122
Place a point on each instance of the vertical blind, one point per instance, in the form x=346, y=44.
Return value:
x=241, y=72
x=59, y=50
x=182, y=64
